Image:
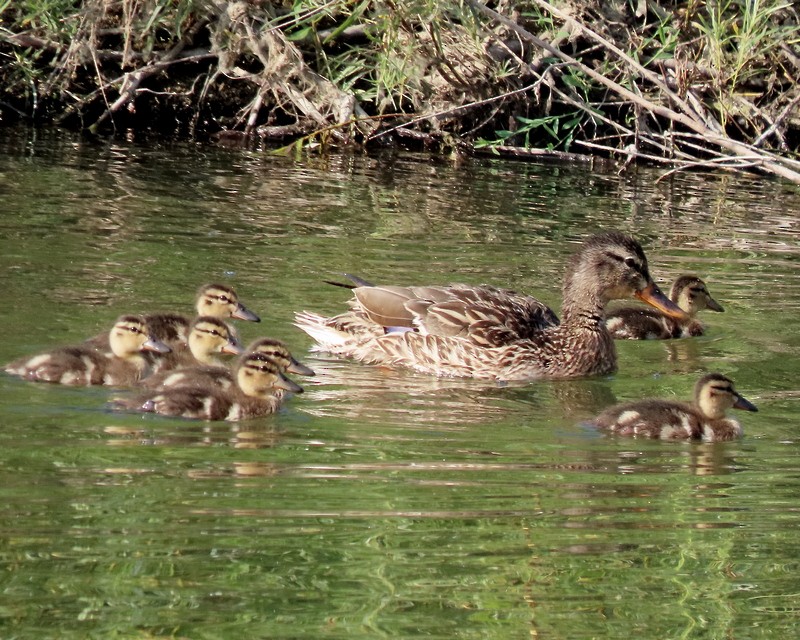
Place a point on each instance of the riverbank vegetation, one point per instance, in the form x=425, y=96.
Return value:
x=682, y=84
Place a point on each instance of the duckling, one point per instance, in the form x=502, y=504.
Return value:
x=486, y=332
x=214, y=300
x=208, y=336
x=258, y=380
x=222, y=376
x=83, y=364
x=639, y=323
x=704, y=419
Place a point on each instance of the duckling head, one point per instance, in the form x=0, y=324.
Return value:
x=210, y=335
x=220, y=301
x=691, y=294
x=260, y=377
x=279, y=353
x=612, y=266
x=714, y=394
x=130, y=335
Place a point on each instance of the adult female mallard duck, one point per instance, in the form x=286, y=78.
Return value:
x=213, y=300
x=124, y=364
x=704, y=419
x=485, y=332
x=208, y=337
x=640, y=323
x=225, y=377
x=256, y=393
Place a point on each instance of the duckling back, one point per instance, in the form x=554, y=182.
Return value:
x=84, y=364
x=259, y=390
x=704, y=419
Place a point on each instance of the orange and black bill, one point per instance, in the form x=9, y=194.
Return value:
x=652, y=295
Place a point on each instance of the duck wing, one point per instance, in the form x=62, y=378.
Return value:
x=485, y=315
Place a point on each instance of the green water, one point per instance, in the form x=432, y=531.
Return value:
x=381, y=503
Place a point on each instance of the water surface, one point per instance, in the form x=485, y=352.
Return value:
x=385, y=503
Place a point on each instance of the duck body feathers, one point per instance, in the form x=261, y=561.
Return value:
x=489, y=332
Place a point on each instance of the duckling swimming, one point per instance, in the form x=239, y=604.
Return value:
x=224, y=377
x=640, y=323
x=256, y=393
x=704, y=419
x=124, y=364
x=486, y=332
x=213, y=300
x=208, y=336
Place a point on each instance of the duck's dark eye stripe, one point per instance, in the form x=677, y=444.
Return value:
x=627, y=260
x=721, y=389
x=614, y=256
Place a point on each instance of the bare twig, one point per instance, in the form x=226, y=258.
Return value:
x=767, y=162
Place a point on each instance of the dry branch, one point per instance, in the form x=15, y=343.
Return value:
x=766, y=161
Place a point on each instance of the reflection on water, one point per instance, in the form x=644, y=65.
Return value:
x=380, y=502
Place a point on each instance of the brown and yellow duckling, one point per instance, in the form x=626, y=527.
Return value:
x=259, y=384
x=213, y=300
x=640, y=323
x=208, y=337
x=224, y=377
x=703, y=419
x=485, y=332
x=125, y=363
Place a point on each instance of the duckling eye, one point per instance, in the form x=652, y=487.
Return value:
x=630, y=262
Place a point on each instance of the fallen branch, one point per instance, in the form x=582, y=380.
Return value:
x=132, y=80
x=765, y=161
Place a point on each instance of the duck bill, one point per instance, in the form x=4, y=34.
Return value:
x=713, y=305
x=744, y=404
x=298, y=368
x=232, y=349
x=288, y=385
x=652, y=295
x=243, y=313
x=155, y=345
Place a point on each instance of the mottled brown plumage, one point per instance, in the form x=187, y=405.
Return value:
x=704, y=419
x=640, y=323
x=257, y=392
x=486, y=332
x=123, y=364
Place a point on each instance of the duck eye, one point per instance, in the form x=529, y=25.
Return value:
x=630, y=262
